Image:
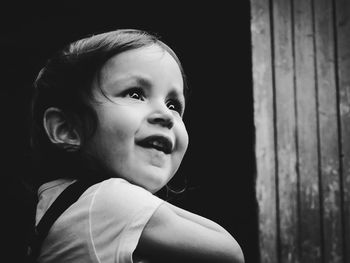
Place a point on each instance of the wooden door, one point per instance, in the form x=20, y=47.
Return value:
x=301, y=78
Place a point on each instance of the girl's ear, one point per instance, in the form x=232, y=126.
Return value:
x=59, y=130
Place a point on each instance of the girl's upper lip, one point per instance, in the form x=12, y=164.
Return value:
x=157, y=141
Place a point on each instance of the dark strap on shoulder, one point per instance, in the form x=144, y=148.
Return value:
x=62, y=202
x=69, y=195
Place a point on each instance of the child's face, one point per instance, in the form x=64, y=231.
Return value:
x=140, y=136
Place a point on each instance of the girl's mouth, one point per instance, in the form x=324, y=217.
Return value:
x=158, y=142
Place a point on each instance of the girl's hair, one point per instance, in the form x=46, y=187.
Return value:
x=66, y=83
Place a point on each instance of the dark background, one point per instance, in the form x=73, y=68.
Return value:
x=213, y=43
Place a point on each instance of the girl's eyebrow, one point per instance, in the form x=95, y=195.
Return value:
x=141, y=80
x=145, y=82
x=174, y=93
x=130, y=79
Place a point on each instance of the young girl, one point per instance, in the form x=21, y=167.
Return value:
x=109, y=108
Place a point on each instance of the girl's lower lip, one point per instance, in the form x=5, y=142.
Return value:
x=155, y=157
x=152, y=148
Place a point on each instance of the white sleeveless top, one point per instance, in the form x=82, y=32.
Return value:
x=104, y=225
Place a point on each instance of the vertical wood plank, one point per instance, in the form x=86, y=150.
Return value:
x=309, y=207
x=302, y=127
x=343, y=40
x=264, y=130
x=328, y=132
x=286, y=128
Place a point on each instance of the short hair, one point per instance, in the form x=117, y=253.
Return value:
x=66, y=83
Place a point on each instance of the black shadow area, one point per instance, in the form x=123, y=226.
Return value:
x=213, y=43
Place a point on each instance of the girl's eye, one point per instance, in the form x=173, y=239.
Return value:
x=175, y=105
x=135, y=93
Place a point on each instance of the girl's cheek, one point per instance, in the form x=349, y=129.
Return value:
x=183, y=137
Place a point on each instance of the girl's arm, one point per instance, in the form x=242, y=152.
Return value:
x=198, y=219
x=175, y=235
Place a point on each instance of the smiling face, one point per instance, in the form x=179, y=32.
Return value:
x=140, y=134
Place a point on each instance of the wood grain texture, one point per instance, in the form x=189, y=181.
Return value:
x=301, y=73
x=343, y=58
x=286, y=131
x=328, y=132
x=307, y=139
x=264, y=126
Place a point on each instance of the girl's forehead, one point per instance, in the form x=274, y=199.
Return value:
x=138, y=57
x=151, y=63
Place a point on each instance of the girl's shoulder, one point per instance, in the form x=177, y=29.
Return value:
x=119, y=193
x=118, y=212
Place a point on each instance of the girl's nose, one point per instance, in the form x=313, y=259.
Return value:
x=162, y=117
